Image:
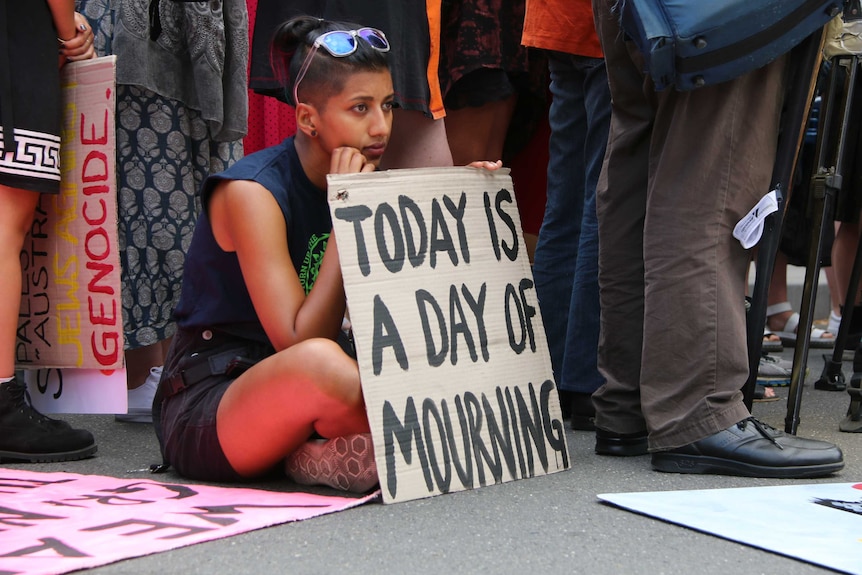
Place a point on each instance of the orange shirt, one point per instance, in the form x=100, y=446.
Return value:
x=561, y=25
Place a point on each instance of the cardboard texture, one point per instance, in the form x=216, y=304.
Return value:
x=70, y=310
x=452, y=353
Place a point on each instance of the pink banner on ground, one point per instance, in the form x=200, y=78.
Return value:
x=60, y=522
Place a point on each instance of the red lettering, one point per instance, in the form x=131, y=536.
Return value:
x=91, y=159
x=102, y=319
x=109, y=344
x=101, y=270
x=91, y=244
x=90, y=190
x=94, y=140
x=93, y=221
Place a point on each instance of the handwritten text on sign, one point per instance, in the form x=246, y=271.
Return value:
x=60, y=522
x=70, y=312
x=452, y=352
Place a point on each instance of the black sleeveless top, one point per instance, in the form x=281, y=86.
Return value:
x=214, y=294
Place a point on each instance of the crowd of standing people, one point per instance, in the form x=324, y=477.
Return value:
x=634, y=252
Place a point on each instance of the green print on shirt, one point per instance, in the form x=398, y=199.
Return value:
x=311, y=263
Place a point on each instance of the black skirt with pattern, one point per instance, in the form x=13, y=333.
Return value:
x=29, y=97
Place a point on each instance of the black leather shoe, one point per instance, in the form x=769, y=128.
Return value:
x=621, y=444
x=752, y=449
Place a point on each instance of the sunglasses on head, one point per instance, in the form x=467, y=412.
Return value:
x=340, y=43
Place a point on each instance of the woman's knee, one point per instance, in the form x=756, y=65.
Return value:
x=328, y=369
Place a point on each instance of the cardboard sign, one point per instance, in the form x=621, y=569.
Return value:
x=454, y=363
x=71, y=314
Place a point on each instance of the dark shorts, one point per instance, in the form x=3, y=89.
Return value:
x=186, y=420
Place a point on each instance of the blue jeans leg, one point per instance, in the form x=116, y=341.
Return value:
x=566, y=260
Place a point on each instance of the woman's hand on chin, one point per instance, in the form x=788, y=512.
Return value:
x=348, y=160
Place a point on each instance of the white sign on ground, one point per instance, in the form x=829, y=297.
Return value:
x=452, y=353
x=819, y=523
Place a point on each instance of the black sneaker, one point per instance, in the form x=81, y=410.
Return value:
x=752, y=449
x=27, y=435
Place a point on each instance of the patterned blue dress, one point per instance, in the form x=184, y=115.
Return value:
x=165, y=150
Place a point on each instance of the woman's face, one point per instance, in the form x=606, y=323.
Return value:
x=360, y=116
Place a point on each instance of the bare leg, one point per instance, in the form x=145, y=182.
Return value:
x=16, y=215
x=416, y=142
x=778, y=292
x=479, y=133
x=273, y=408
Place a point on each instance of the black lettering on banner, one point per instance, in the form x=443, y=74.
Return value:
x=511, y=251
x=416, y=255
x=458, y=324
x=553, y=427
x=474, y=416
x=517, y=436
x=435, y=356
x=441, y=239
x=356, y=214
x=465, y=473
x=386, y=214
x=39, y=330
x=385, y=335
x=532, y=429
x=458, y=213
x=492, y=226
x=525, y=312
x=405, y=434
x=17, y=518
x=148, y=526
x=444, y=479
x=48, y=544
x=179, y=491
x=214, y=513
x=113, y=500
x=518, y=346
x=478, y=308
x=500, y=441
x=43, y=379
x=15, y=484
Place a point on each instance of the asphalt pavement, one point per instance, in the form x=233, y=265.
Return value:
x=545, y=525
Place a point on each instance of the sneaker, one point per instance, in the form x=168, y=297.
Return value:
x=345, y=463
x=773, y=371
x=27, y=435
x=141, y=400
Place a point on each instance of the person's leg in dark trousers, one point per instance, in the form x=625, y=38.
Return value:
x=566, y=261
x=681, y=169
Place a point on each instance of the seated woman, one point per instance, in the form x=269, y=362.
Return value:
x=255, y=375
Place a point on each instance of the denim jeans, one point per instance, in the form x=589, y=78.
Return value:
x=565, y=266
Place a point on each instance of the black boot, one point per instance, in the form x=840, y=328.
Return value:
x=27, y=435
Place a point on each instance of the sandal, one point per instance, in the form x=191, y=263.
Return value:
x=771, y=342
x=763, y=394
x=819, y=338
